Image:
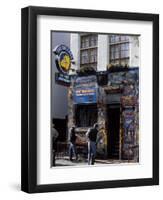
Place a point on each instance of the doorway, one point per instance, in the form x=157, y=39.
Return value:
x=113, y=114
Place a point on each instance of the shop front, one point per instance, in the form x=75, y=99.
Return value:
x=113, y=105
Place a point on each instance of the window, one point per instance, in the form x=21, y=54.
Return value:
x=88, y=41
x=86, y=115
x=88, y=50
x=119, y=49
x=118, y=38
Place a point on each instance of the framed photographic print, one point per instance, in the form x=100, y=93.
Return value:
x=90, y=99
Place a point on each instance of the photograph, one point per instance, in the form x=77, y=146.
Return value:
x=90, y=99
x=94, y=98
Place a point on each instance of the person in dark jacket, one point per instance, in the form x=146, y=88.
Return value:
x=92, y=140
x=72, y=145
x=54, y=134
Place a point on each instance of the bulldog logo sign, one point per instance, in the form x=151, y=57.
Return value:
x=64, y=58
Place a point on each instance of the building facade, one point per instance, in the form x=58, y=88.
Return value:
x=109, y=97
x=101, y=50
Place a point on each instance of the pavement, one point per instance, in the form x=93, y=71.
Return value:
x=64, y=161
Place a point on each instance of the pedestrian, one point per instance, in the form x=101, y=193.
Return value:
x=55, y=135
x=92, y=142
x=72, y=145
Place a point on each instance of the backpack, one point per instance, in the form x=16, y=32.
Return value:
x=93, y=134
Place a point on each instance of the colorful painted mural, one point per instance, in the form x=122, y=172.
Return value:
x=122, y=90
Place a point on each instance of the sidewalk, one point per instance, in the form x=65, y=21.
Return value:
x=64, y=161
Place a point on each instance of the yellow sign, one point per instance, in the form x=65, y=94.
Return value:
x=63, y=58
x=65, y=63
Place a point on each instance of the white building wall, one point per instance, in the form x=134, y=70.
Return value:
x=75, y=48
x=134, y=51
x=103, y=52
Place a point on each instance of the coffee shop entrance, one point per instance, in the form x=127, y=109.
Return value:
x=114, y=106
x=113, y=135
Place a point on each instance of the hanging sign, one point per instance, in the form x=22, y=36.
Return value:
x=64, y=58
x=62, y=79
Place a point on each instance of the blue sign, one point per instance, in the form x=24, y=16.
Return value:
x=85, y=95
x=62, y=79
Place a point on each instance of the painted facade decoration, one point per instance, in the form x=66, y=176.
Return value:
x=121, y=93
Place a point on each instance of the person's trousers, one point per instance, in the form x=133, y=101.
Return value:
x=53, y=157
x=91, y=152
x=72, y=150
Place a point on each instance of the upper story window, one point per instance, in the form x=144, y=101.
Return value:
x=88, y=50
x=119, y=49
x=89, y=41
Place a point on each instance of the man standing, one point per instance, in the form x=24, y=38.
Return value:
x=92, y=139
x=54, y=135
x=72, y=146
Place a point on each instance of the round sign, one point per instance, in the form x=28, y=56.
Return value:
x=63, y=58
x=64, y=62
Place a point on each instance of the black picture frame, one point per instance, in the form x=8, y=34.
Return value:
x=29, y=99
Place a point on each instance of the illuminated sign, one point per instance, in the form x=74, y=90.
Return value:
x=63, y=58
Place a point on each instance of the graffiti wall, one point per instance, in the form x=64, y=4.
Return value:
x=92, y=100
x=128, y=81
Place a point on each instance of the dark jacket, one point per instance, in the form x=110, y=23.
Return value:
x=92, y=134
x=72, y=136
